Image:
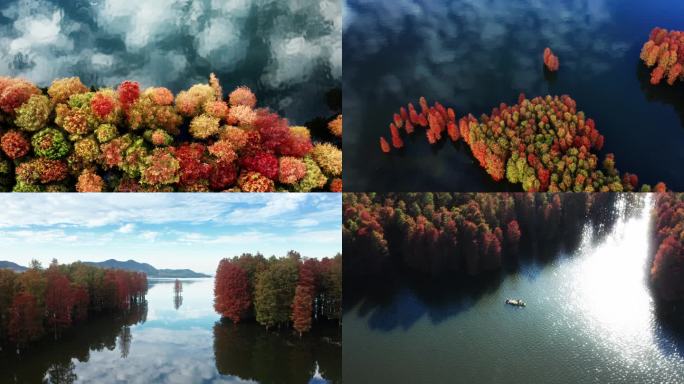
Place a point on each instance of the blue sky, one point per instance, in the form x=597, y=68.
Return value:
x=167, y=230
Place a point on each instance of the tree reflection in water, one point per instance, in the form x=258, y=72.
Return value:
x=177, y=294
x=250, y=353
x=52, y=361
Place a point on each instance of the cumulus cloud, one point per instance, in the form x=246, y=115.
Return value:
x=151, y=350
x=149, y=235
x=453, y=38
x=126, y=228
x=122, y=210
x=270, y=45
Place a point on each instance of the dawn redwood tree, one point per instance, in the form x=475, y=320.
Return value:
x=25, y=323
x=512, y=237
x=274, y=292
x=59, y=300
x=81, y=302
x=332, y=287
x=7, y=288
x=667, y=271
x=302, y=309
x=231, y=291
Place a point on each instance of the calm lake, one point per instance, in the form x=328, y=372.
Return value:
x=289, y=53
x=179, y=339
x=590, y=318
x=474, y=54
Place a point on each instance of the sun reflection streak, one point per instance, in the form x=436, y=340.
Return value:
x=609, y=288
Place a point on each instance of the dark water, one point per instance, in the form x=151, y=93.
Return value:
x=174, y=340
x=590, y=318
x=474, y=54
x=289, y=53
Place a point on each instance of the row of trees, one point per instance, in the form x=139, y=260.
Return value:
x=543, y=144
x=667, y=269
x=279, y=291
x=49, y=300
x=438, y=233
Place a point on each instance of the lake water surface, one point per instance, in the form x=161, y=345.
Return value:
x=590, y=318
x=289, y=53
x=474, y=54
x=179, y=339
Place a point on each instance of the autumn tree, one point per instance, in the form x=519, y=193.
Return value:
x=25, y=323
x=232, y=296
x=59, y=300
x=274, y=292
x=513, y=237
x=8, y=282
x=302, y=309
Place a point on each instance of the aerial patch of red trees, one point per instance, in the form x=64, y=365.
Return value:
x=667, y=269
x=279, y=291
x=544, y=144
x=550, y=60
x=40, y=301
x=664, y=52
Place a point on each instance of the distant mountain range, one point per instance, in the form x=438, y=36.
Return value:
x=12, y=266
x=129, y=265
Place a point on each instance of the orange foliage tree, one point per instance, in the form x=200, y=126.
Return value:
x=664, y=52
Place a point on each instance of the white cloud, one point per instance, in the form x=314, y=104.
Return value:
x=126, y=228
x=149, y=235
x=38, y=236
x=305, y=223
x=274, y=208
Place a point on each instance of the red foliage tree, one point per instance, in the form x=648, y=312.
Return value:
x=513, y=236
x=302, y=309
x=129, y=92
x=384, y=145
x=231, y=291
x=668, y=269
x=59, y=300
x=550, y=60
x=273, y=129
x=25, y=320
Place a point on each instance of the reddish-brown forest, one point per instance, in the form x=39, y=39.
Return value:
x=667, y=271
x=279, y=291
x=462, y=233
x=46, y=301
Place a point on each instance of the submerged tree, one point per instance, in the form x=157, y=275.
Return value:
x=231, y=291
x=25, y=323
x=302, y=308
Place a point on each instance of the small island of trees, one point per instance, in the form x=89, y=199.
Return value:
x=43, y=301
x=279, y=292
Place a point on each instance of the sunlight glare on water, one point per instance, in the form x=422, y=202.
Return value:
x=609, y=287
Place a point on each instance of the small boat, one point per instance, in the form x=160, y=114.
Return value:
x=516, y=303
